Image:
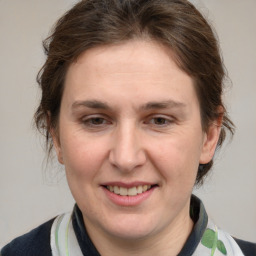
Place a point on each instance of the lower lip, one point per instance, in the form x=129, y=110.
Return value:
x=128, y=200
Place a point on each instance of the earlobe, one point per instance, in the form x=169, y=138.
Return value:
x=210, y=141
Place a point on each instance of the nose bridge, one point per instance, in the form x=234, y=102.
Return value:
x=127, y=152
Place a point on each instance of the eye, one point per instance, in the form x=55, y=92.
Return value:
x=160, y=121
x=95, y=122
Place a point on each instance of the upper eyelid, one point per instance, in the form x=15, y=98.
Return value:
x=89, y=122
x=86, y=118
x=168, y=120
x=164, y=116
x=150, y=116
x=91, y=116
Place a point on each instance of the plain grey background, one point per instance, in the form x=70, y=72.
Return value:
x=31, y=193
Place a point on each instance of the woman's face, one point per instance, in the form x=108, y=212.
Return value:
x=130, y=124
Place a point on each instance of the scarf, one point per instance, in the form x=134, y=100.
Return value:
x=214, y=242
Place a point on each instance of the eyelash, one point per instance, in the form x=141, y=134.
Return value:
x=90, y=121
x=164, y=122
x=97, y=122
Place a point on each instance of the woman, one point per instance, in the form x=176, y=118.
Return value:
x=132, y=103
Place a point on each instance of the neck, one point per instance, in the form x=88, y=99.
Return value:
x=169, y=241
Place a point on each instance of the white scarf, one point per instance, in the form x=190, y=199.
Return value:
x=214, y=242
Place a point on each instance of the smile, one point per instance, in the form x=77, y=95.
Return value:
x=133, y=191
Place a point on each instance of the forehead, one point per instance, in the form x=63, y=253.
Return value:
x=139, y=66
x=129, y=56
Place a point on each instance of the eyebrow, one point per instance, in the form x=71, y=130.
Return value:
x=96, y=104
x=162, y=105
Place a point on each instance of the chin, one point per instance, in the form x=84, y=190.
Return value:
x=131, y=228
x=132, y=234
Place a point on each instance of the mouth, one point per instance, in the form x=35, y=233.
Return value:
x=132, y=191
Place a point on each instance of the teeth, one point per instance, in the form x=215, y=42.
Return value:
x=116, y=190
x=110, y=188
x=123, y=191
x=139, y=189
x=144, y=188
x=133, y=191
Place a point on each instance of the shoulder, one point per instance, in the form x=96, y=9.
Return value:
x=35, y=242
x=248, y=248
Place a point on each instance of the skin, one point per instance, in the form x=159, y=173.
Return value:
x=129, y=114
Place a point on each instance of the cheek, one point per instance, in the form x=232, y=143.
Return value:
x=82, y=157
x=177, y=159
x=83, y=162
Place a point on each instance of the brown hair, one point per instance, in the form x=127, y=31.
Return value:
x=174, y=23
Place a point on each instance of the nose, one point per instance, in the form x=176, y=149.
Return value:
x=127, y=153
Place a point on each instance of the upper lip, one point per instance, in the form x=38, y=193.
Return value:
x=128, y=184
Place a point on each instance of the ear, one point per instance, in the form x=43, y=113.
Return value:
x=57, y=146
x=55, y=139
x=210, y=141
